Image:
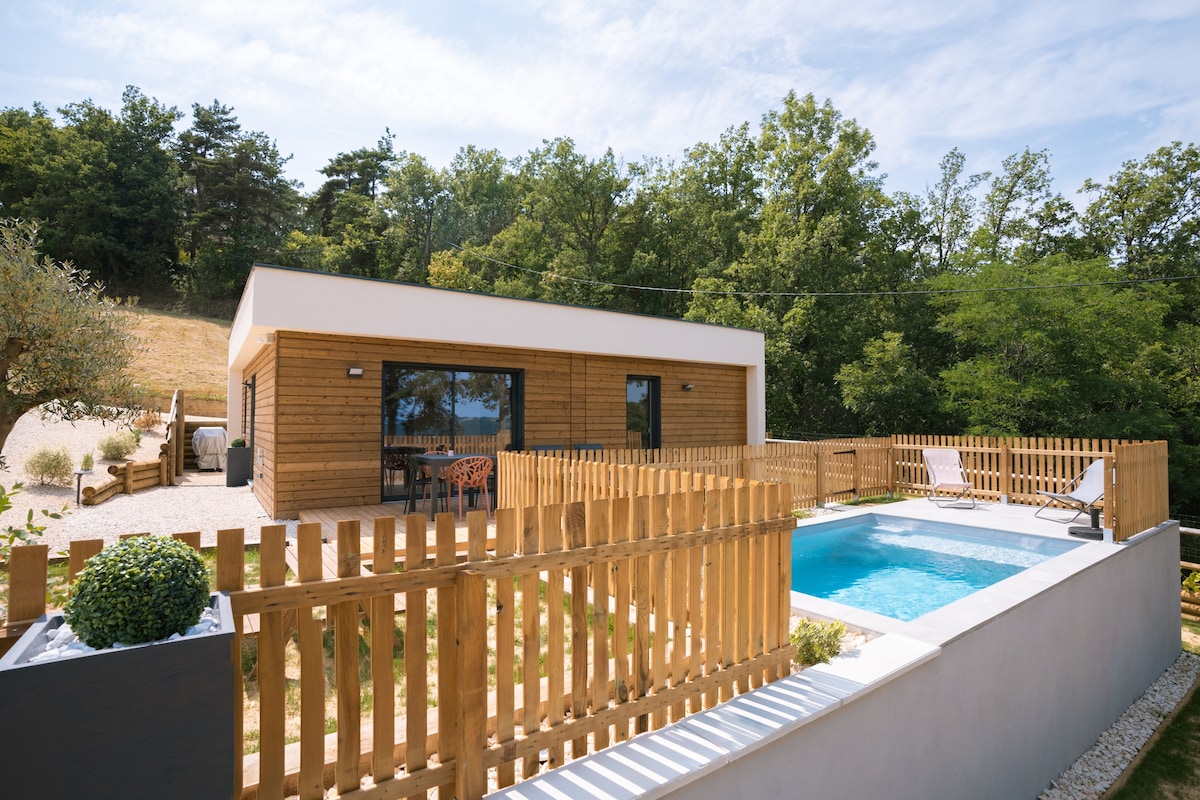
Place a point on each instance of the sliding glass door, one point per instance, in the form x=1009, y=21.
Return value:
x=465, y=409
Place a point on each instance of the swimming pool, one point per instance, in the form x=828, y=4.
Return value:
x=904, y=568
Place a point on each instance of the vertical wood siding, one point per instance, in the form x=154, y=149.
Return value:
x=320, y=430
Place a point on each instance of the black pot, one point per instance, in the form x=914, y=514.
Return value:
x=152, y=720
x=239, y=466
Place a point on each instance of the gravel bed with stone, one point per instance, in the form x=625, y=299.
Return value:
x=1097, y=769
x=200, y=501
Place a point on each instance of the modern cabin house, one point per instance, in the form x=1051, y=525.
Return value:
x=328, y=374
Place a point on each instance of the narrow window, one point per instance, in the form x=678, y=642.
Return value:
x=642, y=412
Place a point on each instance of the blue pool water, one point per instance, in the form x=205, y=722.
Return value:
x=903, y=568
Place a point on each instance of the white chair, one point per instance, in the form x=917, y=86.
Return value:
x=1083, y=492
x=946, y=473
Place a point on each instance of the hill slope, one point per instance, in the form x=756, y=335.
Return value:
x=181, y=352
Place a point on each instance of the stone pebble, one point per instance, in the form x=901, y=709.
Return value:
x=1096, y=770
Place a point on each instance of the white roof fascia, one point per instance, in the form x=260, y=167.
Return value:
x=315, y=302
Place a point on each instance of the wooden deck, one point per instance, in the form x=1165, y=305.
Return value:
x=366, y=516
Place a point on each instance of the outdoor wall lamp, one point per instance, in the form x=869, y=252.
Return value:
x=354, y=372
x=687, y=387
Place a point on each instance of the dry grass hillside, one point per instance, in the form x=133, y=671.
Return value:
x=181, y=352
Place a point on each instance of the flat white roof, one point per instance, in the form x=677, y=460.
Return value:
x=283, y=298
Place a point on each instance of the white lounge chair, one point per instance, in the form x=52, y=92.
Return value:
x=1083, y=492
x=946, y=473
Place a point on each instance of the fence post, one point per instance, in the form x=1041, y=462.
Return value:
x=1006, y=471
x=820, y=499
x=180, y=422
x=1114, y=507
x=855, y=470
x=470, y=722
x=164, y=474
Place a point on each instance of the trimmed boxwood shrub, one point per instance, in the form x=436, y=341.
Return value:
x=138, y=590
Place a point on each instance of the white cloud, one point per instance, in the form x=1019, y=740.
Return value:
x=644, y=78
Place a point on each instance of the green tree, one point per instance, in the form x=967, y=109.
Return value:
x=416, y=203
x=950, y=210
x=822, y=202
x=887, y=388
x=347, y=222
x=103, y=186
x=485, y=196
x=63, y=348
x=239, y=207
x=1083, y=361
x=1147, y=219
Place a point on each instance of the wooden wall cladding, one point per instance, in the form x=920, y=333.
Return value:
x=322, y=442
x=262, y=473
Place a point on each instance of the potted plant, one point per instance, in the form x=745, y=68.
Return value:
x=239, y=463
x=152, y=717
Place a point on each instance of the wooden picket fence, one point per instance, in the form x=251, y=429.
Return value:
x=480, y=445
x=1009, y=470
x=814, y=472
x=596, y=619
x=1014, y=469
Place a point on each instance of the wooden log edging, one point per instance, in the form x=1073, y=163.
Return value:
x=130, y=477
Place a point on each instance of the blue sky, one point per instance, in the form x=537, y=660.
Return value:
x=1096, y=83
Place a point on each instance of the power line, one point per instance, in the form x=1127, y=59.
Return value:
x=890, y=293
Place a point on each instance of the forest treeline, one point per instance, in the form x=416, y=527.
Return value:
x=991, y=303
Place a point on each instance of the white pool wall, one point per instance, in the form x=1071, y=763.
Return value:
x=990, y=697
x=1004, y=706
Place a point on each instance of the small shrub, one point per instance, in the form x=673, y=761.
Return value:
x=27, y=533
x=817, y=641
x=49, y=465
x=119, y=445
x=138, y=590
x=238, y=442
x=148, y=421
x=87, y=462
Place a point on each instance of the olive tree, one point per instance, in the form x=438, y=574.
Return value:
x=63, y=347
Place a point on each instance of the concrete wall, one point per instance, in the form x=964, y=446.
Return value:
x=1000, y=711
x=996, y=707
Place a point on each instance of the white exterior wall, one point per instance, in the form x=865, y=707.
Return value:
x=277, y=298
x=996, y=712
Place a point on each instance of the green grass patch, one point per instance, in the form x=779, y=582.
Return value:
x=876, y=500
x=1192, y=626
x=1172, y=767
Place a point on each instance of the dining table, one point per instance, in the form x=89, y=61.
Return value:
x=436, y=463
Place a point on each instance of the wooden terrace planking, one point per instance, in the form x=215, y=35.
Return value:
x=366, y=516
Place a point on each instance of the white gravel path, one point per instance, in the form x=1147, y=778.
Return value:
x=200, y=502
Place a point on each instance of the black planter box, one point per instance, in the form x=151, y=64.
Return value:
x=149, y=721
x=239, y=465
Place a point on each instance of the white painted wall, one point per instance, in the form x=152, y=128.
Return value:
x=1001, y=711
x=997, y=711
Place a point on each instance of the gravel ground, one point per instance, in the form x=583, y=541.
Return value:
x=1097, y=769
x=201, y=501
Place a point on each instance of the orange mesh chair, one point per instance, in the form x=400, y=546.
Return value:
x=470, y=473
